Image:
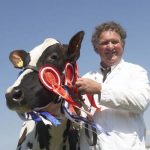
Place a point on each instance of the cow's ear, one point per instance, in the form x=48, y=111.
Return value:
x=73, y=52
x=19, y=58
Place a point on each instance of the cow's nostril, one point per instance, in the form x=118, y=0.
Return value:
x=17, y=95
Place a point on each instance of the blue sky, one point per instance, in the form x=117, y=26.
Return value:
x=25, y=24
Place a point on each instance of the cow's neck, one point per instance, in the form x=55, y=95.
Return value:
x=54, y=110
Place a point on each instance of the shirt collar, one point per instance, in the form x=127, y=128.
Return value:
x=113, y=66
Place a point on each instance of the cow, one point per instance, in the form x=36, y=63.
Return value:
x=33, y=92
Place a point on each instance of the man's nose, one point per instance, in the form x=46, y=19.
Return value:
x=110, y=45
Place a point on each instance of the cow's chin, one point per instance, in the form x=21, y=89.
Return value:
x=21, y=109
x=18, y=108
x=53, y=109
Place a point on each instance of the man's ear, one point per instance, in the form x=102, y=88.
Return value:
x=73, y=52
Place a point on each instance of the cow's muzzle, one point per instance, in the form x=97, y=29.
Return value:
x=17, y=95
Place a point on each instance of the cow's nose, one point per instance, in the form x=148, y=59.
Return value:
x=17, y=95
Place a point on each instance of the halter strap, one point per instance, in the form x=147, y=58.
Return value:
x=35, y=68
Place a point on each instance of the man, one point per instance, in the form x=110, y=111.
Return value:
x=121, y=96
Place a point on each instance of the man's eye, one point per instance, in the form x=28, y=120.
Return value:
x=114, y=42
x=104, y=43
x=108, y=42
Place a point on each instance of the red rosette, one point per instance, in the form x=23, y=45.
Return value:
x=69, y=74
x=49, y=76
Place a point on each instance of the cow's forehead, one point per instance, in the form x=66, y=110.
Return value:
x=38, y=50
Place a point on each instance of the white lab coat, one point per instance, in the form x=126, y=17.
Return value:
x=125, y=96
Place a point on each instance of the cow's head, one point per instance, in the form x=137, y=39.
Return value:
x=28, y=93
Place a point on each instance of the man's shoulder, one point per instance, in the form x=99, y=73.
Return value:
x=133, y=66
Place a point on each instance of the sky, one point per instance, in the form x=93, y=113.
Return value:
x=25, y=24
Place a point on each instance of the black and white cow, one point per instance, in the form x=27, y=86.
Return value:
x=28, y=94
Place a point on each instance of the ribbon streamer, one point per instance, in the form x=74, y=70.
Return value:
x=81, y=120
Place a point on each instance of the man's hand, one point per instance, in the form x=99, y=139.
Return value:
x=88, y=86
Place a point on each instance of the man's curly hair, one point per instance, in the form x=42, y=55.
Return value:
x=111, y=25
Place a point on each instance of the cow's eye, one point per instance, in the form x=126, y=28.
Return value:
x=53, y=57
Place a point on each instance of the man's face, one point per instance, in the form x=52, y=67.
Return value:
x=110, y=48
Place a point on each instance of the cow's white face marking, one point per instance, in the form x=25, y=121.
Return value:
x=40, y=49
x=18, y=81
